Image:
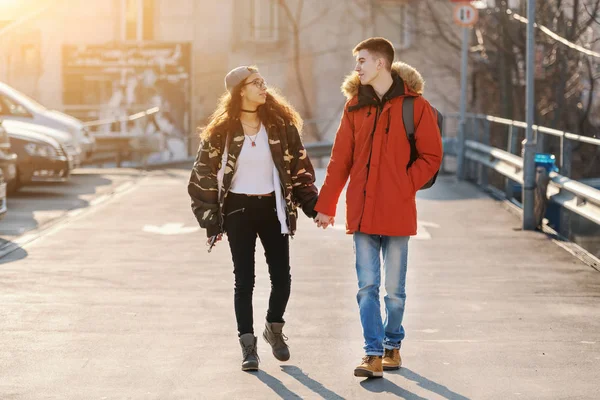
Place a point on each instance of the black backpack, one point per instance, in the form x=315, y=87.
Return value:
x=408, y=117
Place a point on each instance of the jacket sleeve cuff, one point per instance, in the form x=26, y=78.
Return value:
x=212, y=230
x=320, y=207
x=309, y=208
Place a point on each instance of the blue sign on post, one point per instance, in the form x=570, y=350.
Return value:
x=548, y=161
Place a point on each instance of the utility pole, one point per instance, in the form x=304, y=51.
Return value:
x=463, y=102
x=530, y=145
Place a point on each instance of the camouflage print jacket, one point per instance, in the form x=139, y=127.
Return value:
x=296, y=175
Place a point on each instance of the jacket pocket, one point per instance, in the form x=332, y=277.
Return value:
x=398, y=179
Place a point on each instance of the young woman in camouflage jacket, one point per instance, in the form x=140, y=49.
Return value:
x=250, y=174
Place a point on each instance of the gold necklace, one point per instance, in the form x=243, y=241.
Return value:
x=253, y=127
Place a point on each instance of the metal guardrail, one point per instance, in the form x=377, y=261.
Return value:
x=536, y=128
x=129, y=118
x=575, y=196
x=566, y=138
x=117, y=146
x=507, y=164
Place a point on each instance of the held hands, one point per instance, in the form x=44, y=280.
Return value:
x=323, y=221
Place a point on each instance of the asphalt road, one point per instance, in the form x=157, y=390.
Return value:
x=114, y=296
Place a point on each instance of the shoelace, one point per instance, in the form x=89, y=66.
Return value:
x=283, y=337
x=368, y=359
x=280, y=338
x=250, y=350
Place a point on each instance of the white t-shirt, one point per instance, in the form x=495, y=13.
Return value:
x=254, y=168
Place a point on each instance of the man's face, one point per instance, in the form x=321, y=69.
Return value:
x=368, y=66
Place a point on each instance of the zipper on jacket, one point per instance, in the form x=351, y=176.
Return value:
x=236, y=211
x=377, y=111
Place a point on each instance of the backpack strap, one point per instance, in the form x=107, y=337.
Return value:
x=408, y=116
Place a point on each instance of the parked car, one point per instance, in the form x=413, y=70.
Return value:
x=8, y=158
x=40, y=158
x=15, y=105
x=65, y=139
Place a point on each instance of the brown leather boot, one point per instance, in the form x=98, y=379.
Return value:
x=391, y=359
x=274, y=336
x=370, y=367
x=249, y=355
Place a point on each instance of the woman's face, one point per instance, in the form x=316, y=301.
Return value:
x=254, y=90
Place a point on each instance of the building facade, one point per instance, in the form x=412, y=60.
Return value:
x=78, y=54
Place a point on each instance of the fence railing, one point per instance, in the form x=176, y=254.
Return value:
x=575, y=196
x=479, y=157
x=124, y=143
x=479, y=127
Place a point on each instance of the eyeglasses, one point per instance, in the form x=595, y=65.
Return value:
x=259, y=83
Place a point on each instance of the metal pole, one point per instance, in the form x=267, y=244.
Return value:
x=463, y=104
x=487, y=130
x=530, y=145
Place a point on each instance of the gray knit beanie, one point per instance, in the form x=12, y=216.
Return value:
x=237, y=76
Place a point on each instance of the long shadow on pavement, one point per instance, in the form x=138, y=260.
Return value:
x=310, y=383
x=386, y=386
x=60, y=197
x=276, y=385
x=428, y=384
x=10, y=251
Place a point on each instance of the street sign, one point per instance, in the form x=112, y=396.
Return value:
x=465, y=15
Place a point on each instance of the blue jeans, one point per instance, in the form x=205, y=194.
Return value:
x=380, y=334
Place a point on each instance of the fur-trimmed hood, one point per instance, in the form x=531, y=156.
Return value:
x=413, y=80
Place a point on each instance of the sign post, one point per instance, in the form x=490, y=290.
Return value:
x=465, y=15
x=529, y=222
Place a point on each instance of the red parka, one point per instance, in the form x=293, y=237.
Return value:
x=372, y=149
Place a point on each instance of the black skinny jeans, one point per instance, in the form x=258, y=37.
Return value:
x=246, y=218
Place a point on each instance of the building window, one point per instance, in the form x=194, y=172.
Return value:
x=392, y=21
x=258, y=20
x=137, y=19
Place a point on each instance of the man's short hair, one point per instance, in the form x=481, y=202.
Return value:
x=379, y=47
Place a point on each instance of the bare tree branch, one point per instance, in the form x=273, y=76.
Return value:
x=441, y=32
x=308, y=114
x=590, y=21
x=594, y=15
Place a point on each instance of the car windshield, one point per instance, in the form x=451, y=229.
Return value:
x=25, y=100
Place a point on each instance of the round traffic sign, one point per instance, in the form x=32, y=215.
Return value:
x=465, y=14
